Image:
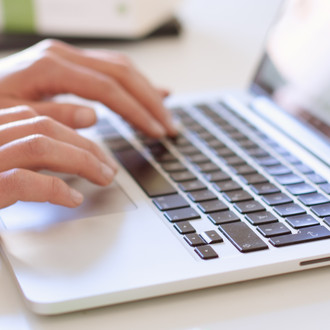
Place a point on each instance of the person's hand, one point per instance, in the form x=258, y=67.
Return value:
x=52, y=67
x=29, y=143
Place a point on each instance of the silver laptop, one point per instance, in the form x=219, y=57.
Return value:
x=243, y=192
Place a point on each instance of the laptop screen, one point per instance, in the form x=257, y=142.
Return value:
x=295, y=71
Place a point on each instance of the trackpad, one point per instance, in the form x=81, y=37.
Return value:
x=98, y=201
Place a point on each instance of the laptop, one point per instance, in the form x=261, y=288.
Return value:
x=243, y=192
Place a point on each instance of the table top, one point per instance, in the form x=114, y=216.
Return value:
x=219, y=48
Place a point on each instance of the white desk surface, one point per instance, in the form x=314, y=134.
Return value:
x=219, y=47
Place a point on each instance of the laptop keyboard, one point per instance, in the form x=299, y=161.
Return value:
x=254, y=192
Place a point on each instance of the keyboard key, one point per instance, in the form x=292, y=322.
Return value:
x=201, y=195
x=212, y=206
x=260, y=218
x=304, y=235
x=149, y=179
x=322, y=210
x=198, y=158
x=325, y=187
x=186, y=213
x=327, y=221
x=243, y=169
x=264, y=188
x=194, y=239
x=225, y=186
x=267, y=161
x=191, y=185
x=234, y=160
x=216, y=176
x=223, y=152
x=173, y=167
x=188, y=150
x=182, y=176
x=277, y=199
x=206, y=252
x=237, y=196
x=316, y=178
x=253, y=178
x=243, y=238
x=288, y=209
x=292, y=159
x=215, y=144
x=274, y=229
x=219, y=218
x=170, y=202
x=247, y=144
x=249, y=207
x=313, y=199
x=301, y=188
x=278, y=170
x=288, y=179
x=211, y=237
x=206, y=167
x=303, y=168
x=300, y=221
x=257, y=152
x=184, y=228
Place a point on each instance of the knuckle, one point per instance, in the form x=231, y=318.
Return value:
x=37, y=145
x=44, y=125
x=51, y=44
x=55, y=187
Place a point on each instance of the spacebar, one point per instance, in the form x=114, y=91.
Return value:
x=150, y=180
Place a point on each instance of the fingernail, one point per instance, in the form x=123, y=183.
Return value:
x=76, y=196
x=84, y=117
x=173, y=130
x=107, y=172
x=157, y=129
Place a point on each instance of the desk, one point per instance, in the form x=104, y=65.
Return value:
x=219, y=47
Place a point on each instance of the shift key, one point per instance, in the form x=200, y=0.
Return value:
x=243, y=237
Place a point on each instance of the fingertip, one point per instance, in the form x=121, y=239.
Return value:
x=84, y=117
x=76, y=197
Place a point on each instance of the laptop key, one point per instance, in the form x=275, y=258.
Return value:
x=327, y=221
x=198, y=158
x=201, y=195
x=325, y=187
x=316, y=178
x=276, y=199
x=237, y=196
x=216, y=176
x=277, y=170
x=274, y=229
x=149, y=179
x=253, y=178
x=192, y=185
x=212, y=206
x=313, y=199
x=288, y=179
x=243, y=237
x=267, y=161
x=206, y=252
x=300, y=189
x=248, y=207
x=182, y=176
x=194, y=239
x=243, y=169
x=184, y=227
x=264, y=188
x=173, y=167
x=170, y=202
x=289, y=209
x=211, y=237
x=186, y=213
x=322, y=210
x=260, y=218
x=302, y=220
x=304, y=235
x=219, y=218
x=206, y=167
x=225, y=186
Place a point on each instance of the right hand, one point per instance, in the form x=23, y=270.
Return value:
x=29, y=143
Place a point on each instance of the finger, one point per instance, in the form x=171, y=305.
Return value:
x=25, y=185
x=51, y=128
x=113, y=65
x=72, y=78
x=163, y=92
x=75, y=116
x=41, y=152
x=16, y=113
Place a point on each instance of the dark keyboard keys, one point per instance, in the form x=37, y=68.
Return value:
x=313, y=199
x=253, y=178
x=192, y=185
x=201, y=195
x=173, y=167
x=212, y=206
x=182, y=176
x=260, y=218
x=216, y=176
x=149, y=179
x=211, y=237
x=300, y=221
x=225, y=186
x=186, y=213
x=288, y=179
x=219, y=218
x=276, y=199
x=316, y=178
x=206, y=252
x=206, y=167
x=237, y=196
x=194, y=239
x=274, y=229
x=243, y=169
x=184, y=228
x=277, y=170
x=267, y=161
x=249, y=207
x=243, y=237
x=234, y=160
x=303, y=236
x=198, y=158
x=289, y=209
x=170, y=202
x=322, y=210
